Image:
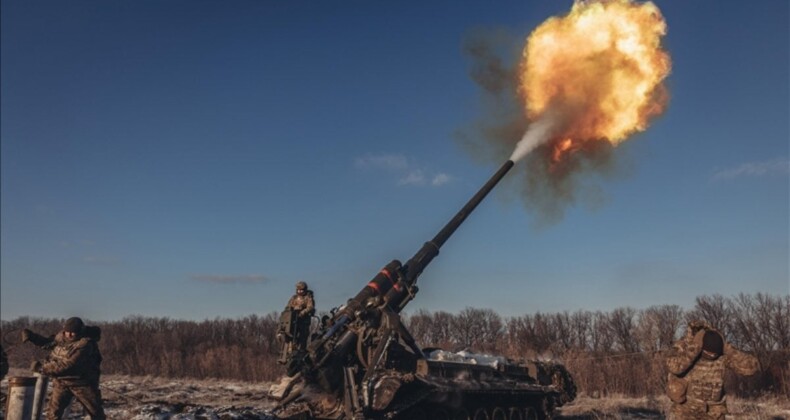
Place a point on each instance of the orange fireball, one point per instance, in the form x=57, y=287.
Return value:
x=601, y=68
x=561, y=147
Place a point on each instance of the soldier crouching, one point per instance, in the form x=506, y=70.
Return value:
x=74, y=365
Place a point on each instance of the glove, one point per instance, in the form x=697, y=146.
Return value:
x=26, y=335
x=35, y=366
x=696, y=344
x=696, y=326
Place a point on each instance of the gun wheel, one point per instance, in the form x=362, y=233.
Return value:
x=531, y=414
x=481, y=414
x=515, y=414
x=416, y=413
x=461, y=415
x=440, y=414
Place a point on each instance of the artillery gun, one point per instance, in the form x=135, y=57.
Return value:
x=364, y=363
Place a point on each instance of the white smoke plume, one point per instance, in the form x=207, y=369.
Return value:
x=539, y=132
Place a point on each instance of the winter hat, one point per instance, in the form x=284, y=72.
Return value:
x=74, y=325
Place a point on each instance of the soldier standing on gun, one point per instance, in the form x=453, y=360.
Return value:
x=74, y=365
x=303, y=304
x=696, y=366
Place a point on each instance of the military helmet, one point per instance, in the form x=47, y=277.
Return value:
x=300, y=285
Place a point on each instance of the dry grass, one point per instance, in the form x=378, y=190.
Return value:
x=766, y=408
x=656, y=407
x=585, y=407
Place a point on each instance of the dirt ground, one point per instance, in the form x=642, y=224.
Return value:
x=147, y=398
x=625, y=408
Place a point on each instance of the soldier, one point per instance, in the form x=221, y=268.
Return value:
x=303, y=304
x=74, y=365
x=696, y=365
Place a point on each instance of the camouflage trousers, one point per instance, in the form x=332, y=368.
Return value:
x=89, y=396
x=698, y=410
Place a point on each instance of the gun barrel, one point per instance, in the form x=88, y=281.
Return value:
x=459, y=218
x=395, y=282
x=430, y=249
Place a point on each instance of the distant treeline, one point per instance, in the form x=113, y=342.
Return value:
x=242, y=348
x=616, y=352
x=623, y=351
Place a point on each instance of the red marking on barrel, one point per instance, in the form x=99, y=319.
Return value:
x=387, y=275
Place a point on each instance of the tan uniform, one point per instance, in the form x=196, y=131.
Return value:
x=304, y=306
x=696, y=384
x=74, y=366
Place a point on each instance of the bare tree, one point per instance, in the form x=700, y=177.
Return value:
x=622, y=325
x=420, y=325
x=581, y=330
x=714, y=310
x=477, y=328
x=441, y=331
x=781, y=322
x=657, y=327
x=562, y=328
x=602, y=339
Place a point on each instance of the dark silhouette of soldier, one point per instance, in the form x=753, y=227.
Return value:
x=696, y=365
x=74, y=364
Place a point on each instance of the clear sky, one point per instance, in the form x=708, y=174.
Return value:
x=194, y=159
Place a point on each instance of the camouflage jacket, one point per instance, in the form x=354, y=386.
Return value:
x=699, y=379
x=305, y=305
x=75, y=363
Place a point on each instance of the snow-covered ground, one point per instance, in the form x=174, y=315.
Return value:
x=147, y=398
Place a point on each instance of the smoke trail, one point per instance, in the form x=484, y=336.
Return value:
x=539, y=132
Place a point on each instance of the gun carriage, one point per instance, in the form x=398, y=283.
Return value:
x=364, y=363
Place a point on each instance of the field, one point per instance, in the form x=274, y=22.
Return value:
x=150, y=398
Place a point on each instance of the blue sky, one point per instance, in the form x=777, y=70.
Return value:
x=194, y=159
